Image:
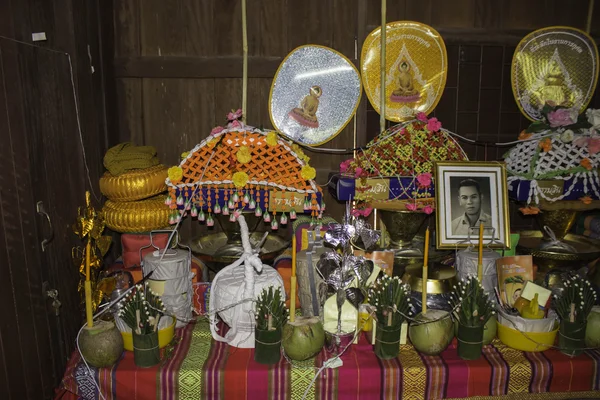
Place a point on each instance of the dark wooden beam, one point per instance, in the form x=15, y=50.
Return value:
x=194, y=67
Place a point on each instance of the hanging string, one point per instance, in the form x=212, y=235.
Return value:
x=245, y=62
x=382, y=68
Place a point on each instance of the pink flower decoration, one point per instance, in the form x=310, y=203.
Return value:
x=433, y=125
x=427, y=209
x=562, y=117
x=235, y=124
x=424, y=179
x=594, y=146
x=358, y=172
x=234, y=115
x=344, y=165
x=216, y=130
x=581, y=141
x=411, y=207
x=361, y=213
x=421, y=116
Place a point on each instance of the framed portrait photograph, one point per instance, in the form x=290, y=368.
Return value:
x=470, y=193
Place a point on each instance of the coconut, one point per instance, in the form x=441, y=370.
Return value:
x=490, y=329
x=592, y=332
x=303, y=338
x=101, y=345
x=431, y=338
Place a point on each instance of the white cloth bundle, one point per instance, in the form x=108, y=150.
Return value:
x=172, y=280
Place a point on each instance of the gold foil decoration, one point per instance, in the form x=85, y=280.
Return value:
x=416, y=65
x=90, y=225
x=557, y=65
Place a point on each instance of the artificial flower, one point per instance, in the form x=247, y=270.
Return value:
x=235, y=124
x=243, y=155
x=594, y=145
x=562, y=117
x=358, y=172
x=427, y=209
x=586, y=200
x=411, y=206
x=421, y=116
x=529, y=210
x=344, y=165
x=185, y=154
x=240, y=179
x=365, y=212
x=233, y=115
x=298, y=150
x=593, y=117
x=433, y=125
x=271, y=139
x=567, y=136
x=216, y=130
x=586, y=163
x=546, y=144
x=308, y=172
x=581, y=141
x=424, y=179
x=211, y=143
x=524, y=135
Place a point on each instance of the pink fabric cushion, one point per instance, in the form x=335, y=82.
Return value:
x=132, y=243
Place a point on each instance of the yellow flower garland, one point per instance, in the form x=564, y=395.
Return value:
x=240, y=179
x=271, y=139
x=308, y=172
x=243, y=155
x=175, y=174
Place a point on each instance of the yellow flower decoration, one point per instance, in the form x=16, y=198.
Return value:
x=271, y=139
x=243, y=155
x=240, y=179
x=308, y=172
x=185, y=154
x=175, y=174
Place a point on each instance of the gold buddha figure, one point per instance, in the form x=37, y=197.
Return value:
x=405, y=91
x=554, y=88
x=306, y=114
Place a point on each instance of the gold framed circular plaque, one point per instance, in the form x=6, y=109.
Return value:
x=416, y=67
x=314, y=94
x=558, y=64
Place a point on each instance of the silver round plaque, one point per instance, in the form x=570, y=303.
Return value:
x=314, y=94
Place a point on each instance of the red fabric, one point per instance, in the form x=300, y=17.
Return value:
x=132, y=243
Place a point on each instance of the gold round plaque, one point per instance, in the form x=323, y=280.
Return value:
x=557, y=64
x=416, y=68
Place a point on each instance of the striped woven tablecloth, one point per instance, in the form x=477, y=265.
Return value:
x=200, y=368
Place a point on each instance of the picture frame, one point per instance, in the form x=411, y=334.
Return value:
x=469, y=193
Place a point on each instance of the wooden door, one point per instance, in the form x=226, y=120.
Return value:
x=49, y=157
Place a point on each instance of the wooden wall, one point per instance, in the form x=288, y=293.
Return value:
x=177, y=65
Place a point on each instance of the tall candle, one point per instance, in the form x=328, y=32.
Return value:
x=294, y=255
x=424, y=277
x=88, y=286
x=480, y=259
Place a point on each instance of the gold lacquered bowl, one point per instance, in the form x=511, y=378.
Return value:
x=134, y=185
x=586, y=250
x=136, y=216
x=440, y=278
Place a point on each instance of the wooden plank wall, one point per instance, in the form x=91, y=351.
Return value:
x=178, y=65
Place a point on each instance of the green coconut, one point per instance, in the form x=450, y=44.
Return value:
x=490, y=329
x=303, y=338
x=431, y=338
x=592, y=331
x=102, y=344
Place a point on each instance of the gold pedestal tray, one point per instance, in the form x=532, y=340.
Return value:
x=440, y=278
x=531, y=242
x=217, y=251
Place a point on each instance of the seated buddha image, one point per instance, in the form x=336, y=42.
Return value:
x=306, y=114
x=405, y=91
x=554, y=88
